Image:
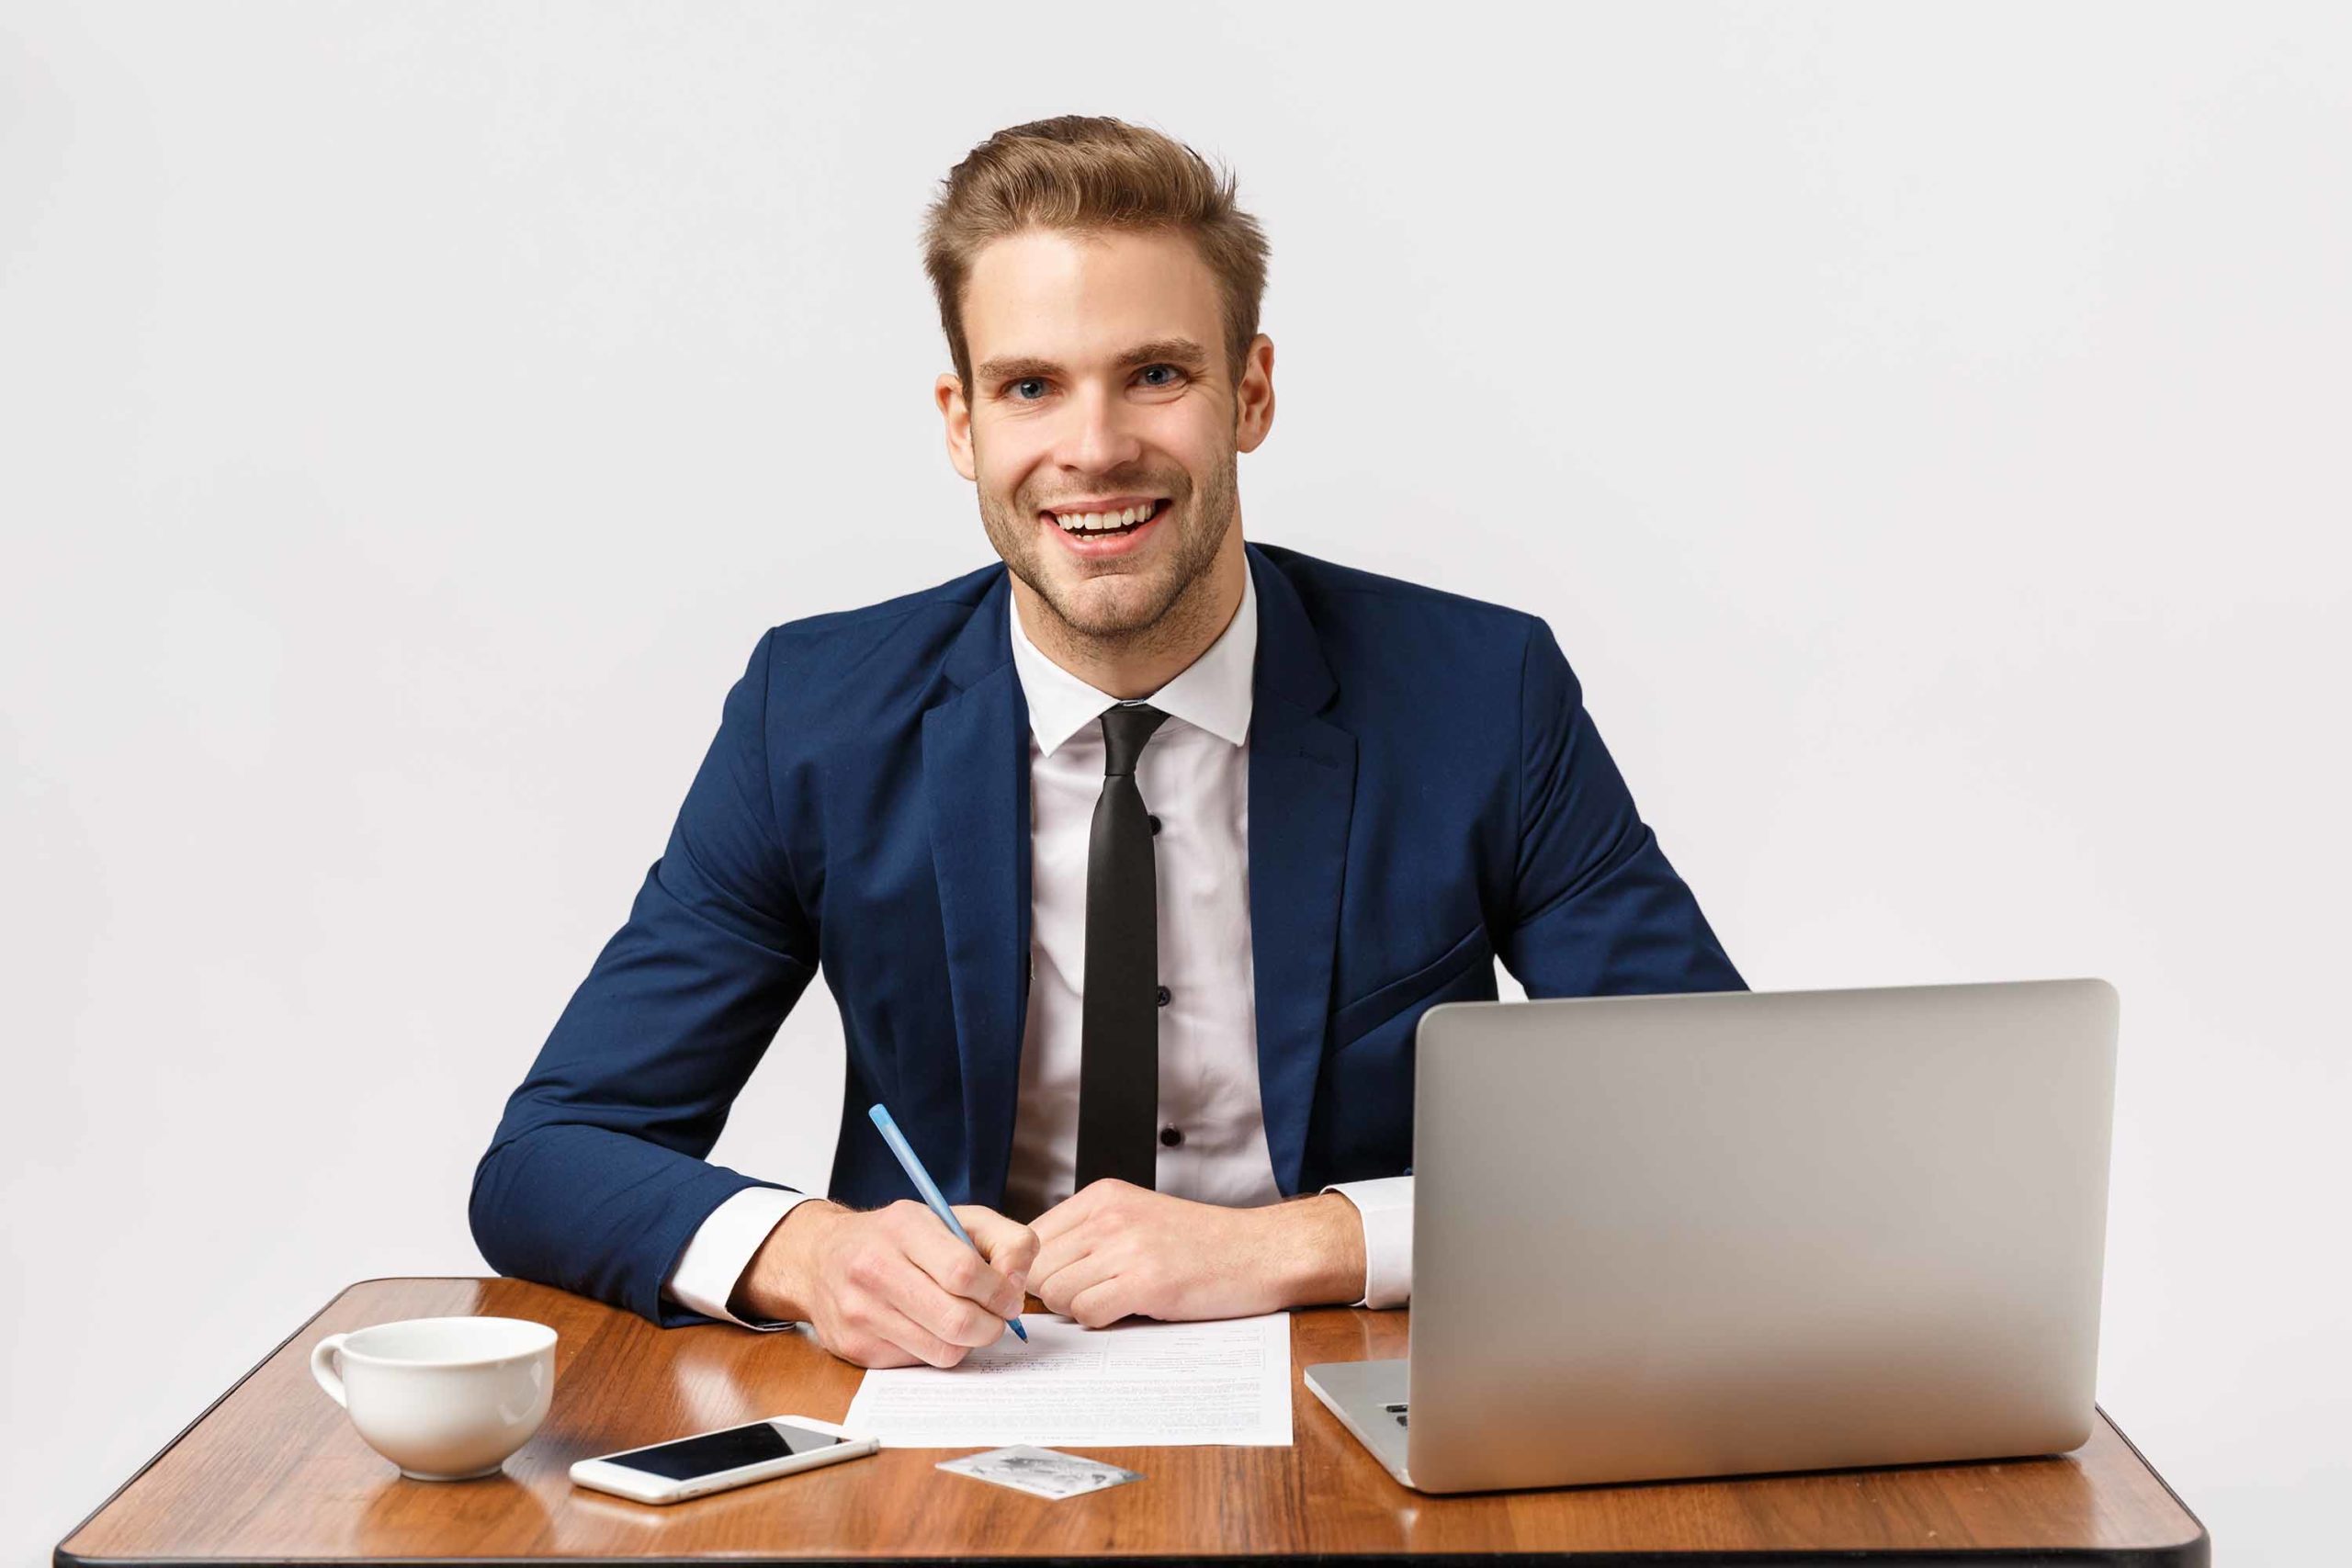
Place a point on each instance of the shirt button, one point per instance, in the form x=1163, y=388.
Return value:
x=1172, y=1136
x=1164, y=995
x=1155, y=824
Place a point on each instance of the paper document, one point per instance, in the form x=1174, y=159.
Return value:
x=1137, y=1382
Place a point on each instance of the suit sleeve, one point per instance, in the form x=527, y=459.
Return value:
x=1596, y=908
x=595, y=1178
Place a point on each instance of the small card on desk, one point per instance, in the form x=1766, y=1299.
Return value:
x=1040, y=1471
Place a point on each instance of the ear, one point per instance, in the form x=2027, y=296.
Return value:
x=948, y=392
x=1254, y=397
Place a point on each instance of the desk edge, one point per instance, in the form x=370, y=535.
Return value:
x=2196, y=1551
x=61, y=1558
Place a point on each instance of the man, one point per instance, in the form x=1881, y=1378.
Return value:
x=1132, y=862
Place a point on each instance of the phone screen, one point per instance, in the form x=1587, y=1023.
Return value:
x=706, y=1453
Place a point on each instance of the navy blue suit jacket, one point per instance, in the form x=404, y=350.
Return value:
x=1425, y=793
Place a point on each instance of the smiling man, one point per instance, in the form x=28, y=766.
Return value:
x=1132, y=862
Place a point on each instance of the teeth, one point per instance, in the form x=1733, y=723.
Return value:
x=1096, y=522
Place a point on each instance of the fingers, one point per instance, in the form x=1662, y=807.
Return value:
x=1076, y=1209
x=889, y=1337
x=954, y=1318
x=1010, y=1247
x=1127, y=1251
x=865, y=1320
x=1061, y=1252
x=1102, y=1221
x=1101, y=1305
x=900, y=1289
x=1059, y=1289
x=1059, y=1220
x=955, y=1269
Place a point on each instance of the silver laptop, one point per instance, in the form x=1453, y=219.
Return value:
x=1719, y=1234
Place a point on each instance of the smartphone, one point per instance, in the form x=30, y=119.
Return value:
x=713, y=1461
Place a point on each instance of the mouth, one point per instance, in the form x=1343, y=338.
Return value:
x=1115, y=539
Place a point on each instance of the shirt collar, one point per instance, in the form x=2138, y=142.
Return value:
x=1212, y=692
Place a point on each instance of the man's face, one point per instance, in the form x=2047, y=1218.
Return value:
x=1099, y=380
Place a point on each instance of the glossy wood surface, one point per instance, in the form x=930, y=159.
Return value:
x=274, y=1472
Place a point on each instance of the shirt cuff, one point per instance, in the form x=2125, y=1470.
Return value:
x=1386, y=1206
x=722, y=1249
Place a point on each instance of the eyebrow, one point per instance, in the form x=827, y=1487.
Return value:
x=1178, y=351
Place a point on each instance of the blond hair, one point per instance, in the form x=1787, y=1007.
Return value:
x=1084, y=174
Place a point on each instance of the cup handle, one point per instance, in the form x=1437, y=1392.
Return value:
x=326, y=1365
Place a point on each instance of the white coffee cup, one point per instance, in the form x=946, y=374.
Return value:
x=444, y=1398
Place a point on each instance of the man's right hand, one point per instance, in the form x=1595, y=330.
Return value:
x=891, y=1287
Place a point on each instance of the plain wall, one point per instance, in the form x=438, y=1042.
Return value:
x=1925, y=429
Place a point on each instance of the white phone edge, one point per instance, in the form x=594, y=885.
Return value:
x=599, y=1474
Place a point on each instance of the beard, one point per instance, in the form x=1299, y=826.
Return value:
x=1121, y=605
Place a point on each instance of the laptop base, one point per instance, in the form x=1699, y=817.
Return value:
x=1369, y=1399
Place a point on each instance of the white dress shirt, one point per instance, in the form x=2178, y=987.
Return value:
x=1193, y=775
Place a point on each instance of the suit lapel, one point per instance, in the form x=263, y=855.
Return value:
x=1302, y=790
x=976, y=778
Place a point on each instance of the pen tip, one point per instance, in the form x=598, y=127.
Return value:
x=1021, y=1331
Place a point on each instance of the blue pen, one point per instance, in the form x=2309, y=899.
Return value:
x=926, y=1186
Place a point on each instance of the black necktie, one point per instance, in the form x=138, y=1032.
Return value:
x=1118, y=1074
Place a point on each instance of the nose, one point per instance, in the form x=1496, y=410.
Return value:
x=1094, y=438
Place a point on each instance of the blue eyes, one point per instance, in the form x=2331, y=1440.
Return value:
x=1014, y=387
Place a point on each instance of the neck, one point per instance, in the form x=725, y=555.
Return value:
x=1140, y=663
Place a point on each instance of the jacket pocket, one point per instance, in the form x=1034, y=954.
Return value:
x=1367, y=1012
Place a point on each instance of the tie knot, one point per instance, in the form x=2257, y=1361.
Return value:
x=1124, y=730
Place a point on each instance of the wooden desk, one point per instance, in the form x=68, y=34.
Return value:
x=275, y=1472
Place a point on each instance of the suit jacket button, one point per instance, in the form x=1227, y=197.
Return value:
x=1172, y=1136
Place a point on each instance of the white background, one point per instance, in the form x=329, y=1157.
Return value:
x=1925, y=429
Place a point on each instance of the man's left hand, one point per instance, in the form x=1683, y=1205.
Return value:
x=1116, y=1249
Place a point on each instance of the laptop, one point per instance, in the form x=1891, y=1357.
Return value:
x=1736, y=1232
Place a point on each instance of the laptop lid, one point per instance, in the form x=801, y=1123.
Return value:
x=1734, y=1232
